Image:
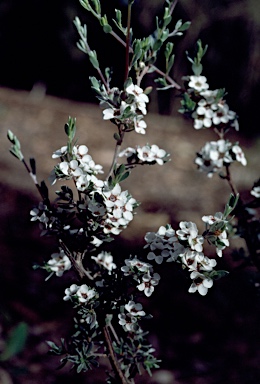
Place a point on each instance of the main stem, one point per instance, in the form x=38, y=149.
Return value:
x=112, y=358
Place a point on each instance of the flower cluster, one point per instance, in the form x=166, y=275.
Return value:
x=146, y=154
x=216, y=232
x=211, y=111
x=216, y=154
x=81, y=294
x=119, y=205
x=141, y=272
x=78, y=165
x=127, y=107
x=129, y=320
x=185, y=246
x=59, y=263
x=105, y=259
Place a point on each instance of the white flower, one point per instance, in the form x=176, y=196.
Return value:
x=151, y=153
x=239, y=154
x=148, y=283
x=114, y=197
x=200, y=283
x=256, y=192
x=106, y=260
x=130, y=264
x=222, y=113
x=210, y=219
x=128, y=322
x=70, y=168
x=140, y=96
x=135, y=309
x=82, y=183
x=211, y=156
x=59, y=263
x=60, y=152
x=203, y=115
x=109, y=113
x=199, y=83
x=97, y=242
x=140, y=125
x=71, y=291
x=127, y=152
x=221, y=243
x=80, y=150
x=85, y=293
x=189, y=232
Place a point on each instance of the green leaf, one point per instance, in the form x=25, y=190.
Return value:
x=168, y=50
x=104, y=22
x=16, y=147
x=107, y=28
x=117, y=136
x=93, y=59
x=157, y=45
x=166, y=20
x=70, y=128
x=119, y=170
x=15, y=342
x=124, y=176
x=97, y=6
x=197, y=69
x=185, y=26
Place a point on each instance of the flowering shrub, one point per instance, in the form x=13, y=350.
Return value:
x=91, y=209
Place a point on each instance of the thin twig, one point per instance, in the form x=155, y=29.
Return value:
x=167, y=77
x=117, y=151
x=129, y=8
x=230, y=181
x=37, y=185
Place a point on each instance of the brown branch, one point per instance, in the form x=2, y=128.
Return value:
x=77, y=263
x=230, y=181
x=112, y=358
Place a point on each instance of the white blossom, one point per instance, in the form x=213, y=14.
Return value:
x=148, y=283
x=81, y=293
x=211, y=156
x=127, y=152
x=140, y=125
x=106, y=260
x=60, y=152
x=210, y=219
x=201, y=283
x=85, y=293
x=135, y=309
x=128, y=322
x=130, y=264
x=59, y=263
x=256, y=192
x=152, y=153
x=71, y=291
x=199, y=83
x=189, y=231
x=239, y=154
